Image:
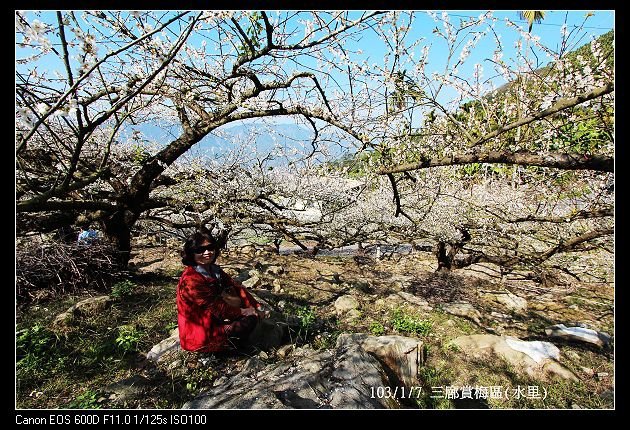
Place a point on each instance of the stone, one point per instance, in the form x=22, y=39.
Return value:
x=345, y=303
x=401, y=355
x=607, y=395
x=482, y=345
x=274, y=270
x=255, y=273
x=167, y=346
x=82, y=308
x=579, y=334
x=309, y=379
x=129, y=388
x=267, y=334
x=248, y=250
x=415, y=300
x=512, y=301
x=353, y=314
x=252, y=282
x=330, y=276
x=587, y=370
x=285, y=350
x=222, y=380
x=463, y=309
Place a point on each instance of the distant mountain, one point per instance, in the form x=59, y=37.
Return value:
x=264, y=136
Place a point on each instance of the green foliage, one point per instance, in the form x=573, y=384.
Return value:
x=452, y=347
x=97, y=354
x=408, y=324
x=606, y=42
x=326, y=340
x=139, y=155
x=471, y=169
x=171, y=326
x=354, y=165
x=253, y=31
x=123, y=289
x=128, y=337
x=305, y=319
x=532, y=16
x=197, y=378
x=377, y=329
x=583, y=137
x=259, y=240
x=86, y=400
x=431, y=377
x=306, y=316
x=33, y=346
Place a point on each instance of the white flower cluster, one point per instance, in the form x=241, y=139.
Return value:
x=34, y=33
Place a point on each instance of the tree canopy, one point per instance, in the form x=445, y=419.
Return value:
x=452, y=160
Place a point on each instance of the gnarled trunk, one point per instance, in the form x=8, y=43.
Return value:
x=118, y=230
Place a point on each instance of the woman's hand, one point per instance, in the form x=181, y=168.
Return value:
x=262, y=312
x=248, y=311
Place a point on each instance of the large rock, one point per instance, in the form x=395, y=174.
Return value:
x=248, y=250
x=83, y=308
x=511, y=301
x=416, y=301
x=345, y=303
x=130, y=388
x=339, y=379
x=167, y=346
x=401, y=355
x=252, y=282
x=463, y=309
x=579, y=334
x=536, y=359
x=274, y=270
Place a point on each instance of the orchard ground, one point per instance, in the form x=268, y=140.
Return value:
x=77, y=369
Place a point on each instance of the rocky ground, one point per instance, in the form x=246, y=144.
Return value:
x=478, y=340
x=463, y=319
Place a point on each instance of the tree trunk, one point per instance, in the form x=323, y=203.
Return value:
x=118, y=230
x=446, y=252
x=444, y=257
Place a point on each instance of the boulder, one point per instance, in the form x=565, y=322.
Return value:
x=511, y=301
x=274, y=270
x=536, y=359
x=579, y=334
x=252, y=282
x=345, y=303
x=83, y=308
x=414, y=300
x=268, y=334
x=400, y=355
x=463, y=309
x=168, y=345
x=341, y=379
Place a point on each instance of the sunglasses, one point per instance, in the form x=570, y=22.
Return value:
x=202, y=249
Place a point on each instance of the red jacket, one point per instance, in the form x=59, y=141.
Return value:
x=201, y=310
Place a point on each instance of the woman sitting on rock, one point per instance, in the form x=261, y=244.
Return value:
x=214, y=312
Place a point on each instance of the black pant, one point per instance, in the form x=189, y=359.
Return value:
x=238, y=331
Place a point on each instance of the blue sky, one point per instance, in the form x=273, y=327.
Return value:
x=549, y=31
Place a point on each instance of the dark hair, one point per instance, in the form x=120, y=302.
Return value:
x=188, y=255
